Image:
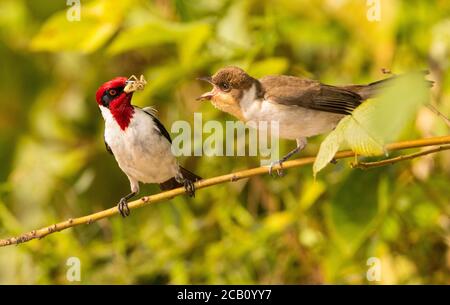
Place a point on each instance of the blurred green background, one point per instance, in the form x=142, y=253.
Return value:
x=263, y=230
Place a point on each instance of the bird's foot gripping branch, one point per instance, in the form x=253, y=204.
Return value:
x=439, y=144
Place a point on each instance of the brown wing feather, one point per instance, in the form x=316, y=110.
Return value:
x=290, y=90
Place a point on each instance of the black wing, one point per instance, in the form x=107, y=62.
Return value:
x=172, y=183
x=162, y=130
x=108, y=149
x=294, y=91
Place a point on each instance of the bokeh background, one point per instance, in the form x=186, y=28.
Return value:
x=53, y=164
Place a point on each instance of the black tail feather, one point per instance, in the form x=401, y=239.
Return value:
x=172, y=183
x=189, y=175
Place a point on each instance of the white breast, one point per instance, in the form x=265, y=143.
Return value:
x=141, y=152
x=294, y=122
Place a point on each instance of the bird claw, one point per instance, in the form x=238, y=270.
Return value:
x=189, y=187
x=280, y=171
x=123, y=208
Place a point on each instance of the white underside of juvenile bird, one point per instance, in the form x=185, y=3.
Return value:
x=294, y=122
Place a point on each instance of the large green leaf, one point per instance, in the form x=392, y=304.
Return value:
x=358, y=135
x=353, y=211
x=386, y=117
x=376, y=121
x=330, y=146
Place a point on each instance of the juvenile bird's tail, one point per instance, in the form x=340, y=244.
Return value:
x=373, y=89
x=172, y=183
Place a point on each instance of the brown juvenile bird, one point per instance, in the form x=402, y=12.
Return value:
x=302, y=107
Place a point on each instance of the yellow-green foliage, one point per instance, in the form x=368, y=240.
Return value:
x=264, y=230
x=376, y=121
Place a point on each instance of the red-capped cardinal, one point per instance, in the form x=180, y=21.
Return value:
x=138, y=141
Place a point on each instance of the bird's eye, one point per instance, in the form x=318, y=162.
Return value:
x=112, y=92
x=225, y=87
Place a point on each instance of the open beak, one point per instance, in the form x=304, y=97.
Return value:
x=207, y=95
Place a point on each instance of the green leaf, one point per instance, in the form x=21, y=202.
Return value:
x=353, y=212
x=330, y=146
x=99, y=20
x=376, y=121
x=385, y=118
x=358, y=135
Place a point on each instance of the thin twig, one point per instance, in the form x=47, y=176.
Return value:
x=40, y=233
x=439, y=114
x=367, y=165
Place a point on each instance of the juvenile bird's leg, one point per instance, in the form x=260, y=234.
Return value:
x=123, y=208
x=301, y=143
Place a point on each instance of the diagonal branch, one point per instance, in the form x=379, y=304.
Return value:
x=439, y=114
x=146, y=200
